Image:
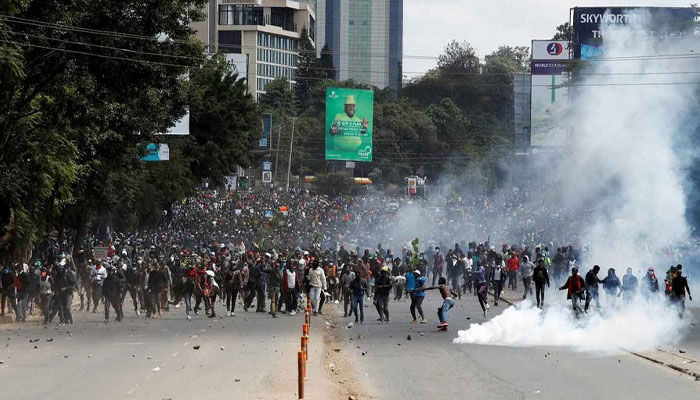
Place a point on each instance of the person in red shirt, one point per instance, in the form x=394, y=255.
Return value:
x=512, y=267
x=575, y=287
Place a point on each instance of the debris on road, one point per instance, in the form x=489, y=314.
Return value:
x=408, y=337
x=196, y=347
x=682, y=351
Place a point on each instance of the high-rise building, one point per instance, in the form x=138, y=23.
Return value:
x=366, y=39
x=264, y=32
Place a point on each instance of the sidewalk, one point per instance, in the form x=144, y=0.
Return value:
x=684, y=358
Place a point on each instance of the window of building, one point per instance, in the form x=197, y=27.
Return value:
x=226, y=14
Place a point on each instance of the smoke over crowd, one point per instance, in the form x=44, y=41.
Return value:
x=623, y=174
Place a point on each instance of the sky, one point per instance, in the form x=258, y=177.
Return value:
x=486, y=24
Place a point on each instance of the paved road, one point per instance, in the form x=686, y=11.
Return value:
x=430, y=365
x=155, y=358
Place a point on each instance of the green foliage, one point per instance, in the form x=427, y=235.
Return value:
x=324, y=64
x=74, y=119
x=306, y=71
x=223, y=120
x=565, y=31
x=278, y=97
x=458, y=57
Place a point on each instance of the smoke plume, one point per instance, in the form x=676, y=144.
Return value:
x=624, y=165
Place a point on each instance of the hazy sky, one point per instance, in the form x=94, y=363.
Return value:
x=486, y=24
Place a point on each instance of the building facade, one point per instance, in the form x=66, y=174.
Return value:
x=266, y=32
x=366, y=39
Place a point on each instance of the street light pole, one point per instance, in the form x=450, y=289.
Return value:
x=291, y=145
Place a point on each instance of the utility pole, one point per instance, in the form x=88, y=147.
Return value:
x=277, y=155
x=291, y=145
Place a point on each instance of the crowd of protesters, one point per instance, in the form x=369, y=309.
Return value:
x=270, y=252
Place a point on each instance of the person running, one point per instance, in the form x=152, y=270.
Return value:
x=358, y=288
x=447, y=301
x=498, y=278
x=592, y=282
x=574, y=286
x=541, y=278
x=679, y=288
x=418, y=296
x=482, y=289
x=527, y=269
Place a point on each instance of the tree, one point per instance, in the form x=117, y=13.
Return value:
x=564, y=32
x=223, y=120
x=508, y=59
x=324, y=64
x=278, y=97
x=458, y=57
x=72, y=118
x=306, y=74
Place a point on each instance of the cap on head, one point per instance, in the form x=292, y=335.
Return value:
x=350, y=100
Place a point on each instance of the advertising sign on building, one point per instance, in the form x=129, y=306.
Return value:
x=157, y=152
x=349, y=124
x=549, y=91
x=658, y=22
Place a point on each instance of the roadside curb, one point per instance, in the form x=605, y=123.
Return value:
x=684, y=365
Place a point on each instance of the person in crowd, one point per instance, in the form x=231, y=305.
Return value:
x=527, y=269
x=498, y=278
x=512, y=266
x=680, y=288
x=358, y=287
x=575, y=286
x=317, y=281
x=611, y=285
x=111, y=291
x=418, y=297
x=381, y=299
x=650, y=285
x=629, y=286
x=591, y=284
x=541, y=278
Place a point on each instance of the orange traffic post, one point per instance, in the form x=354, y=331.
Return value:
x=302, y=371
x=305, y=330
x=305, y=346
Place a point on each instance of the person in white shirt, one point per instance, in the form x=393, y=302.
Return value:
x=97, y=277
x=317, y=281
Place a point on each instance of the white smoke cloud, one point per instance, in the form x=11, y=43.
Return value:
x=623, y=163
x=640, y=326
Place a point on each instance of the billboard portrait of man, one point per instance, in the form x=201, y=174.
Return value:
x=349, y=114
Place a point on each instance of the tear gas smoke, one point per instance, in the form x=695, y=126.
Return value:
x=624, y=163
x=639, y=326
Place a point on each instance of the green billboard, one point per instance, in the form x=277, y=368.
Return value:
x=349, y=115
